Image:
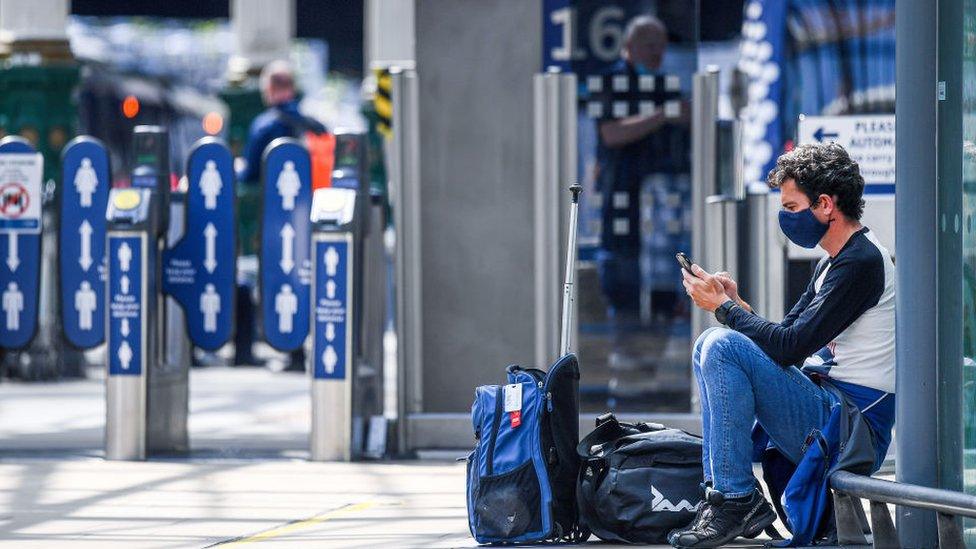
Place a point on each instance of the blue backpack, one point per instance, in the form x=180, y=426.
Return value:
x=521, y=479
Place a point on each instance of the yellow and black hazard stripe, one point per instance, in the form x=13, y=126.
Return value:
x=383, y=101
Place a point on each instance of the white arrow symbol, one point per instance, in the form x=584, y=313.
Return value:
x=13, y=258
x=125, y=256
x=125, y=327
x=330, y=288
x=210, y=233
x=330, y=331
x=287, y=254
x=86, y=232
x=124, y=283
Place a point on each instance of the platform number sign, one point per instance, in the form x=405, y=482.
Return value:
x=584, y=36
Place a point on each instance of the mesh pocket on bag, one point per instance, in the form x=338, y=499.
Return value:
x=509, y=505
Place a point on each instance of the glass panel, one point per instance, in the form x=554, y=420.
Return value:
x=634, y=62
x=969, y=254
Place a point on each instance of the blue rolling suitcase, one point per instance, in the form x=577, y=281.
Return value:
x=521, y=476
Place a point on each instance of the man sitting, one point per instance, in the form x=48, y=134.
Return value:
x=843, y=324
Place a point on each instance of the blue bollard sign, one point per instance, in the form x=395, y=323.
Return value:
x=84, y=196
x=199, y=271
x=332, y=343
x=285, y=240
x=127, y=257
x=21, y=169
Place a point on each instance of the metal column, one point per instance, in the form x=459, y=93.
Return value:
x=405, y=199
x=704, y=113
x=917, y=235
x=555, y=159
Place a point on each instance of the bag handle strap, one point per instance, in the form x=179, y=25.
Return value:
x=609, y=429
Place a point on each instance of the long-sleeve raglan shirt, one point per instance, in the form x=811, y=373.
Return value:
x=843, y=323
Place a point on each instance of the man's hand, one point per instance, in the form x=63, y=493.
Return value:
x=732, y=289
x=704, y=289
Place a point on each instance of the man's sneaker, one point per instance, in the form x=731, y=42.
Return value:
x=722, y=520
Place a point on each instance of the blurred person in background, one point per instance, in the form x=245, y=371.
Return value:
x=281, y=119
x=642, y=151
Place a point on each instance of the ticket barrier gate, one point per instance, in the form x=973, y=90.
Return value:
x=151, y=270
x=136, y=224
x=345, y=387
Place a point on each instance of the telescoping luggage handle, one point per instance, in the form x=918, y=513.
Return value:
x=569, y=292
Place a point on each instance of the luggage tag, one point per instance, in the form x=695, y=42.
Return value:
x=513, y=403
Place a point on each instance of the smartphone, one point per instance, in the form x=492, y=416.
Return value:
x=684, y=262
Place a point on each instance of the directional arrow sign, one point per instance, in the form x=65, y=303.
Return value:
x=285, y=242
x=820, y=135
x=287, y=248
x=85, y=232
x=85, y=184
x=200, y=272
x=333, y=302
x=20, y=241
x=210, y=260
x=13, y=255
x=128, y=292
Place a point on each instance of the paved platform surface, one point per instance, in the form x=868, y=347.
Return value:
x=247, y=480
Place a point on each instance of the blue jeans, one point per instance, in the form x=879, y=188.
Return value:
x=740, y=384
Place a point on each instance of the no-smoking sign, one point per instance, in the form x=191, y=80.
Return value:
x=20, y=192
x=14, y=200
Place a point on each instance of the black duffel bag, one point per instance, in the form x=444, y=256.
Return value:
x=638, y=481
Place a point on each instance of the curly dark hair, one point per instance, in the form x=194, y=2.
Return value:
x=822, y=169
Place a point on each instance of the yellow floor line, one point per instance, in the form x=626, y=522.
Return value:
x=301, y=524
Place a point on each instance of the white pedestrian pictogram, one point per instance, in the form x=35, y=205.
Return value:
x=329, y=359
x=287, y=248
x=125, y=327
x=86, y=301
x=210, y=185
x=329, y=331
x=85, y=232
x=124, y=283
x=210, y=307
x=210, y=241
x=125, y=355
x=286, y=305
x=330, y=289
x=86, y=181
x=331, y=260
x=288, y=185
x=125, y=256
x=13, y=257
x=13, y=304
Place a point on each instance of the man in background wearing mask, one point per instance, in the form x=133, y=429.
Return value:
x=842, y=329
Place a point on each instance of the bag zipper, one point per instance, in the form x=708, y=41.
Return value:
x=499, y=396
